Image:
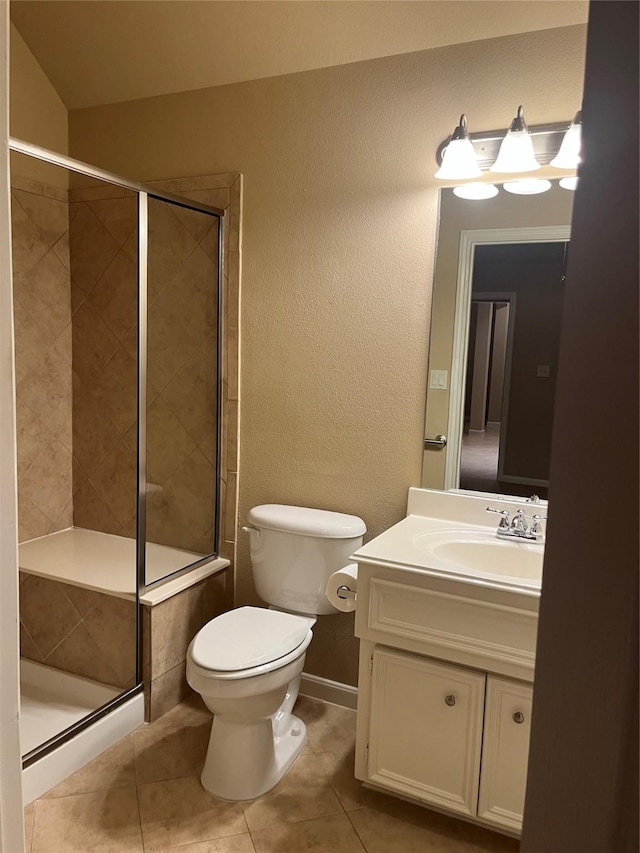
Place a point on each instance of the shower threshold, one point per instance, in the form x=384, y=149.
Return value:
x=52, y=700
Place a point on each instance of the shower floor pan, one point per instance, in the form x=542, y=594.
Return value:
x=52, y=700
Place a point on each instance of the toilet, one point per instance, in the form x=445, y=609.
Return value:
x=246, y=664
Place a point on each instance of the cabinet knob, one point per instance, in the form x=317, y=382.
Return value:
x=518, y=717
x=450, y=700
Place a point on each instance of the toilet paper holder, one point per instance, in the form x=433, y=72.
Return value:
x=344, y=592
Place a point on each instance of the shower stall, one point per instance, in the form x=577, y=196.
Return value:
x=118, y=318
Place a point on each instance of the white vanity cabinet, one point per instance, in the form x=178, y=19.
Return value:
x=444, y=698
x=426, y=746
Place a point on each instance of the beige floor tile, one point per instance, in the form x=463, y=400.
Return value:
x=173, y=746
x=323, y=835
x=339, y=770
x=112, y=769
x=381, y=833
x=302, y=795
x=29, y=815
x=232, y=844
x=329, y=727
x=100, y=822
x=180, y=811
x=485, y=841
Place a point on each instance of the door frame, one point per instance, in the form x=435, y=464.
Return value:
x=464, y=287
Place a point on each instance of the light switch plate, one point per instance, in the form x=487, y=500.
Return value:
x=543, y=371
x=438, y=380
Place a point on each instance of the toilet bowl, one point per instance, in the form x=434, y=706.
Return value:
x=246, y=664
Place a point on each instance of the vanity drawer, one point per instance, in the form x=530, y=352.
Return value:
x=493, y=636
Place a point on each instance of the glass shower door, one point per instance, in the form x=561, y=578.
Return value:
x=182, y=387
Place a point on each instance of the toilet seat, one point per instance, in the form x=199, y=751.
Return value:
x=248, y=641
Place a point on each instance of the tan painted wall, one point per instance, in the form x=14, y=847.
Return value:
x=37, y=114
x=456, y=215
x=340, y=214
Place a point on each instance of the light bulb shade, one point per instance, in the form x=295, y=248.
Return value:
x=476, y=192
x=516, y=150
x=459, y=158
x=569, y=183
x=527, y=186
x=568, y=157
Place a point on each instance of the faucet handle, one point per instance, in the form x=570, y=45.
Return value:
x=504, y=521
x=535, y=527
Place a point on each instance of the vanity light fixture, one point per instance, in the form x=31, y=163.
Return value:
x=476, y=191
x=568, y=157
x=568, y=183
x=516, y=151
x=527, y=186
x=459, y=158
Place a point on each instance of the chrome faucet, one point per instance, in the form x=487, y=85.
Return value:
x=518, y=527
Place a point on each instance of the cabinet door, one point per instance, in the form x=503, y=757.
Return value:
x=505, y=753
x=426, y=729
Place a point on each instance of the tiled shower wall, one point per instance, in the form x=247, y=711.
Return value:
x=42, y=317
x=103, y=238
x=181, y=398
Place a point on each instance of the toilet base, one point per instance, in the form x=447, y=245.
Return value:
x=245, y=760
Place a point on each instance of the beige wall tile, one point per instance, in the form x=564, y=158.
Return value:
x=91, y=511
x=50, y=216
x=197, y=223
x=94, y=434
x=170, y=244
x=32, y=436
x=115, y=296
x=47, y=483
x=115, y=480
x=116, y=389
x=79, y=653
x=214, y=593
x=28, y=648
x=168, y=442
x=93, y=342
x=191, y=396
x=167, y=691
x=31, y=522
x=170, y=345
x=61, y=249
x=46, y=388
x=174, y=623
x=46, y=612
x=98, y=191
x=44, y=290
x=30, y=342
x=112, y=624
x=190, y=492
x=119, y=216
x=92, y=248
x=28, y=245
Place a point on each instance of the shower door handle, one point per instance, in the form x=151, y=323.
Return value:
x=439, y=441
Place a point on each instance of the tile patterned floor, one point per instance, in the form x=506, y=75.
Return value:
x=144, y=795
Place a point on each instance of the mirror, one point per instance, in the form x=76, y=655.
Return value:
x=495, y=328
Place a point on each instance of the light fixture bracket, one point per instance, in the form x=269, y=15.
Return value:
x=546, y=138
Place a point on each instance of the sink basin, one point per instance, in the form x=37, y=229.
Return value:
x=473, y=551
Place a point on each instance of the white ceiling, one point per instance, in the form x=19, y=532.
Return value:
x=102, y=51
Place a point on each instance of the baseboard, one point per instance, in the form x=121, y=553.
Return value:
x=522, y=481
x=476, y=432
x=493, y=423
x=329, y=691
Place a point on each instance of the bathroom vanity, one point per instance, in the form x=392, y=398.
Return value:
x=447, y=618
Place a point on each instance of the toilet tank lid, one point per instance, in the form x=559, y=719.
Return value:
x=247, y=637
x=305, y=521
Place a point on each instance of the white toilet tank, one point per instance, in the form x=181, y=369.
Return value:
x=294, y=549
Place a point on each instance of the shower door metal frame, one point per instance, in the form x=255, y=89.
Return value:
x=144, y=192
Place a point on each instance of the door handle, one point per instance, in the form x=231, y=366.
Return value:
x=438, y=441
